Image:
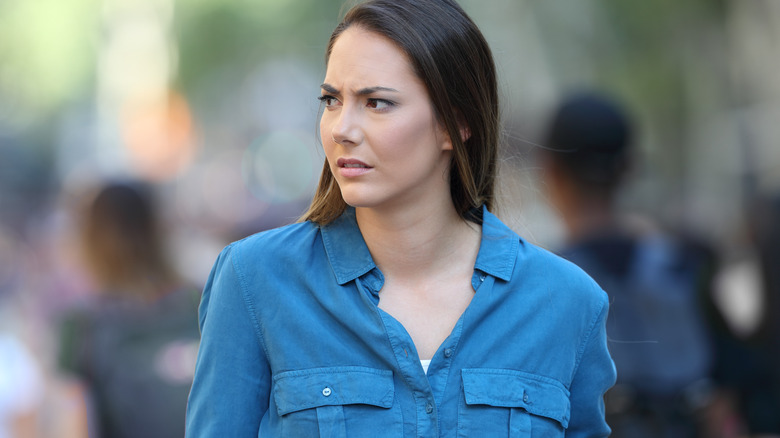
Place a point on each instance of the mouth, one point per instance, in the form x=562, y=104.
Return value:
x=352, y=168
x=351, y=163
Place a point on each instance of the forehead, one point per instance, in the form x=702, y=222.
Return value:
x=362, y=56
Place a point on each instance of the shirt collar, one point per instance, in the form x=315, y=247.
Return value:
x=498, y=249
x=349, y=256
x=347, y=251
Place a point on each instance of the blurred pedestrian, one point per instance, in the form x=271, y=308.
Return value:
x=761, y=401
x=658, y=335
x=133, y=347
x=749, y=360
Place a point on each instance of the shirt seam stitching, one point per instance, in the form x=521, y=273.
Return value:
x=248, y=305
x=587, y=340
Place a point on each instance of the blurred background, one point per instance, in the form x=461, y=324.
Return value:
x=212, y=104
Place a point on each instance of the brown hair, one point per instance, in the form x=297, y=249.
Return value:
x=121, y=241
x=452, y=58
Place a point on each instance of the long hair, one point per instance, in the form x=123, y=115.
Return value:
x=122, y=244
x=450, y=55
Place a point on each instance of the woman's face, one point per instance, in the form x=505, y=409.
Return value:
x=379, y=131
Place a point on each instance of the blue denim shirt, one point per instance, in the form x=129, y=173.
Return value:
x=294, y=345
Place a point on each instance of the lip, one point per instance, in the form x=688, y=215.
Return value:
x=351, y=167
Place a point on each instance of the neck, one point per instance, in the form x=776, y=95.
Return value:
x=586, y=217
x=417, y=242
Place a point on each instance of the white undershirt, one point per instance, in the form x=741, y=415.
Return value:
x=425, y=364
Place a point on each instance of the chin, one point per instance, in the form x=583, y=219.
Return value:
x=359, y=200
x=358, y=203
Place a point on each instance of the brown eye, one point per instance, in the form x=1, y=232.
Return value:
x=328, y=100
x=379, y=104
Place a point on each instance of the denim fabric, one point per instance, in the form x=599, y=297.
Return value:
x=294, y=345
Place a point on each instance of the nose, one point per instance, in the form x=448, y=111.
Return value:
x=346, y=127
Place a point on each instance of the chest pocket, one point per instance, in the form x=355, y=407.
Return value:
x=499, y=402
x=336, y=402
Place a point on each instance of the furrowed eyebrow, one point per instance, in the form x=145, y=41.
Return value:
x=371, y=90
x=330, y=89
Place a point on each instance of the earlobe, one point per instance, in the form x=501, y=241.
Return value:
x=463, y=130
x=445, y=139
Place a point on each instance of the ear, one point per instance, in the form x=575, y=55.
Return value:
x=445, y=139
x=463, y=130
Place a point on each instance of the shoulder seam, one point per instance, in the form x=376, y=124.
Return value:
x=587, y=339
x=249, y=305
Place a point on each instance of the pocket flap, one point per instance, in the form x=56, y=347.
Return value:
x=538, y=395
x=312, y=388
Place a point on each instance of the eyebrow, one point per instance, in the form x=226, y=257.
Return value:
x=361, y=92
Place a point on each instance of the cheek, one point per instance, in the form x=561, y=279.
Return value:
x=326, y=140
x=413, y=137
x=329, y=150
x=324, y=131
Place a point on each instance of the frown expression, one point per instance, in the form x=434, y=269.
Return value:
x=379, y=130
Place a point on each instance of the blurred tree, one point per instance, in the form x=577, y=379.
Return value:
x=221, y=42
x=47, y=56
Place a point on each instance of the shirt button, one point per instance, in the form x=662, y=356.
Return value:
x=482, y=278
x=447, y=352
x=327, y=392
x=525, y=398
x=429, y=408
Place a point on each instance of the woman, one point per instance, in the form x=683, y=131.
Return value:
x=130, y=347
x=400, y=306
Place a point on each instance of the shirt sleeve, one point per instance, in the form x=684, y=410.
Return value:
x=594, y=375
x=230, y=390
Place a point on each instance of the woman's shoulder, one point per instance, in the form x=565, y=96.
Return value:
x=281, y=249
x=287, y=239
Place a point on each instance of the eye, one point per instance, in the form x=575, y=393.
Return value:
x=379, y=104
x=328, y=101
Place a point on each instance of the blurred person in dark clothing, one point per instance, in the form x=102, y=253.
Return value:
x=749, y=359
x=134, y=346
x=762, y=406
x=657, y=332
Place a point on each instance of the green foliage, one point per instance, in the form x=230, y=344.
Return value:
x=47, y=54
x=219, y=42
